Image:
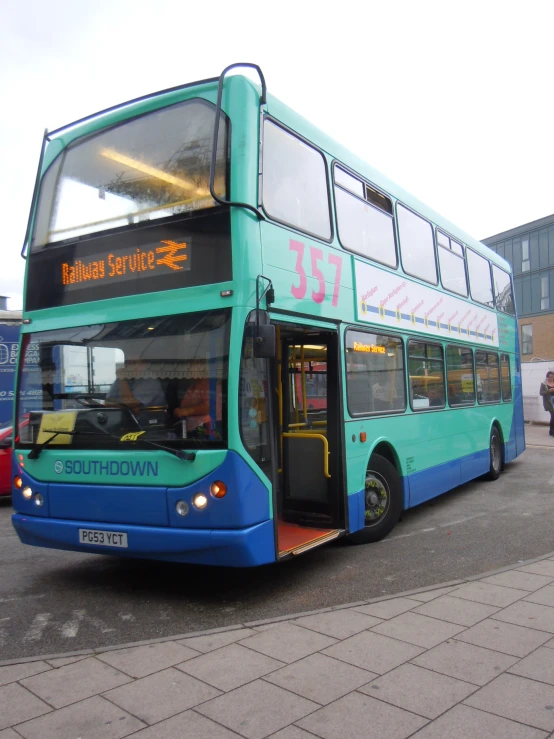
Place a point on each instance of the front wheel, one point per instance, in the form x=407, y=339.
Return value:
x=495, y=452
x=383, y=501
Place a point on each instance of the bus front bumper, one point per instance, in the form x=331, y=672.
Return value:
x=247, y=547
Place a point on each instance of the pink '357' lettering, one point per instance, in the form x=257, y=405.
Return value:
x=337, y=261
x=316, y=255
x=300, y=290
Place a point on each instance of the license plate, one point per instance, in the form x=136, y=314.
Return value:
x=102, y=538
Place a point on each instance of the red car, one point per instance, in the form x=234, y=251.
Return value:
x=6, y=460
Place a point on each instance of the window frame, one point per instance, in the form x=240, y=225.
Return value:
x=461, y=256
x=266, y=466
x=59, y=159
x=527, y=260
x=545, y=280
x=526, y=341
x=480, y=302
x=493, y=267
x=462, y=405
x=372, y=414
x=431, y=225
x=312, y=146
x=497, y=355
x=506, y=356
x=423, y=340
x=337, y=164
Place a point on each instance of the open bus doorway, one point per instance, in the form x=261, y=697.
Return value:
x=309, y=499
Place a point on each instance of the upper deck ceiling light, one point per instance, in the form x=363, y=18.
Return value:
x=153, y=171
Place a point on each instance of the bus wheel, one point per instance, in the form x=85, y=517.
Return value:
x=383, y=501
x=495, y=450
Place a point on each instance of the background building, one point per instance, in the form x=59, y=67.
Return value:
x=530, y=251
x=10, y=321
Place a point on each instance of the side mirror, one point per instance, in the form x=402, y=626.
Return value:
x=265, y=345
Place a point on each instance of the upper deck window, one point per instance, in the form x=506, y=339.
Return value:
x=295, y=182
x=363, y=228
x=452, y=264
x=416, y=245
x=503, y=295
x=346, y=180
x=479, y=278
x=149, y=167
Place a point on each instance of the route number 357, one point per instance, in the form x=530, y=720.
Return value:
x=316, y=256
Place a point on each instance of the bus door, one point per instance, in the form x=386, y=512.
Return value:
x=310, y=509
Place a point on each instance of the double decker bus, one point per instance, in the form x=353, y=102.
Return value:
x=202, y=265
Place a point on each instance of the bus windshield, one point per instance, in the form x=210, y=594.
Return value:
x=159, y=379
x=150, y=167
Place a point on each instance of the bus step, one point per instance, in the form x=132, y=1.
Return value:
x=295, y=539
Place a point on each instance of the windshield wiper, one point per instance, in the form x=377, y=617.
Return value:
x=37, y=448
x=179, y=453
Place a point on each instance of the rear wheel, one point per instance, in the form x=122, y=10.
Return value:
x=383, y=501
x=495, y=452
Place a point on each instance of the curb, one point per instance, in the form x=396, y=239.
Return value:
x=276, y=619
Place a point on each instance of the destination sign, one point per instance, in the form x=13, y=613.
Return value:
x=167, y=256
x=369, y=348
x=146, y=258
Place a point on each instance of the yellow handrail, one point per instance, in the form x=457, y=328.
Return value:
x=314, y=423
x=297, y=435
x=292, y=365
x=303, y=384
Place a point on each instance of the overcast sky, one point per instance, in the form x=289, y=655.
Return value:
x=451, y=100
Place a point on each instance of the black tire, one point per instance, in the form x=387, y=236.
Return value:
x=496, y=455
x=383, y=493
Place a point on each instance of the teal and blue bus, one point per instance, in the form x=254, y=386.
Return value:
x=241, y=342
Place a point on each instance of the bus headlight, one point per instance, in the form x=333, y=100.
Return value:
x=18, y=482
x=27, y=493
x=182, y=507
x=39, y=500
x=200, y=501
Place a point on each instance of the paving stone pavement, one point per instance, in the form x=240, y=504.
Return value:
x=462, y=660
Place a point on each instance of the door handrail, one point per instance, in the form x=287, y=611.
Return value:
x=308, y=425
x=300, y=435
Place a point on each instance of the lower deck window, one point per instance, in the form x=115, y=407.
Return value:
x=506, y=379
x=488, y=377
x=426, y=368
x=374, y=373
x=461, y=382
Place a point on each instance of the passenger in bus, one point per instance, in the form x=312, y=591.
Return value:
x=547, y=392
x=197, y=407
x=135, y=389
x=436, y=397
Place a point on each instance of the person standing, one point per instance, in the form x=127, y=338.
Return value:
x=547, y=392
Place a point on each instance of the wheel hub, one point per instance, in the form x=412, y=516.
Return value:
x=376, y=500
x=373, y=498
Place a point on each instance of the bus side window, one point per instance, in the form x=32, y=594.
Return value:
x=461, y=380
x=374, y=373
x=426, y=367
